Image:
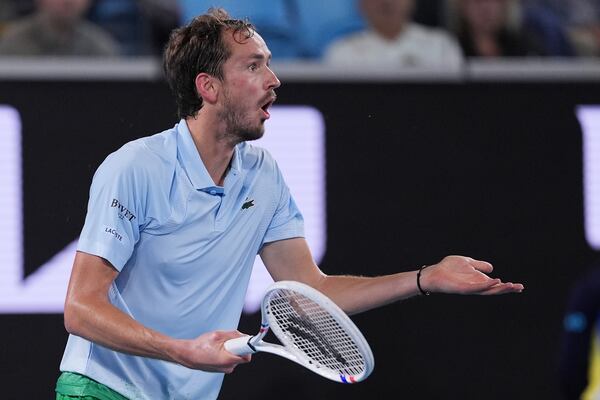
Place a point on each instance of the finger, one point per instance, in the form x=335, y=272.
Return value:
x=503, y=288
x=477, y=287
x=482, y=266
x=484, y=285
x=236, y=359
x=247, y=358
x=226, y=335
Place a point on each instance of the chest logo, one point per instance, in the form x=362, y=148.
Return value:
x=248, y=204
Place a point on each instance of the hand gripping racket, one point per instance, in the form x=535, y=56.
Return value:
x=315, y=333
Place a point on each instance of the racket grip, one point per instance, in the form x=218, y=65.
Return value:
x=239, y=346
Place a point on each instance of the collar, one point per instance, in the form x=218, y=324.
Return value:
x=192, y=163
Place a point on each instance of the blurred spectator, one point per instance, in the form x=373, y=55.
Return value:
x=7, y=13
x=57, y=28
x=141, y=27
x=580, y=352
x=394, y=40
x=580, y=18
x=547, y=29
x=488, y=28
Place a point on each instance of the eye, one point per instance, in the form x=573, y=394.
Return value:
x=253, y=67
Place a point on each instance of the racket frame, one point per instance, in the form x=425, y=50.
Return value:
x=247, y=344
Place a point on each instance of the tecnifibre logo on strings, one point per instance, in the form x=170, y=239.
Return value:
x=296, y=138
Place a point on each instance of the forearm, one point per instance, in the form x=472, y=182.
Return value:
x=355, y=294
x=102, y=323
x=291, y=260
x=90, y=314
x=454, y=274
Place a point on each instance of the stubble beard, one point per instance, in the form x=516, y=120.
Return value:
x=238, y=128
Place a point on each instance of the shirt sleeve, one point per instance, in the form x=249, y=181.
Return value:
x=116, y=209
x=287, y=222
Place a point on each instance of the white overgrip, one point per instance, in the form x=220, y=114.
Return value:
x=239, y=346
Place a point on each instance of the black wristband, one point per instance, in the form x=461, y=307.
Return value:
x=423, y=292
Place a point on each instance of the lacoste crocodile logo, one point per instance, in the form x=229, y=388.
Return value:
x=248, y=204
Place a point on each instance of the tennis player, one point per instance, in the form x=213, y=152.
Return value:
x=175, y=221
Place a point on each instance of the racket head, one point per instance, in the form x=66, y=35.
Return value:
x=317, y=332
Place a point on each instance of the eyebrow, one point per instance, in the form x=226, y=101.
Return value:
x=259, y=56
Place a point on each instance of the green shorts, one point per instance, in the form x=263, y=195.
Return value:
x=75, y=386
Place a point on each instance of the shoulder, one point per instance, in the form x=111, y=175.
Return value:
x=97, y=39
x=430, y=34
x=17, y=34
x=440, y=46
x=435, y=36
x=349, y=44
x=146, y=158
x=20, y=27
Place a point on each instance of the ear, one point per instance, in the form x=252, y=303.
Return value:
x=207, y=87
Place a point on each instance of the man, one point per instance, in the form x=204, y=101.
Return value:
x=394, y=41
x=579, y=361
x=175, y=221
x=57, y=28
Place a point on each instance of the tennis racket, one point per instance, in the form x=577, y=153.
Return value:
x=315, y=333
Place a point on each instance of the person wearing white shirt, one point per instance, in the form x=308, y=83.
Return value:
x=393, y=40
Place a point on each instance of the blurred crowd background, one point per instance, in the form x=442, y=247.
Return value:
x=423, y=33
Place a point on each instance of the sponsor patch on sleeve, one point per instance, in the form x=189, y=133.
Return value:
x=113, y=232
x=123, y=211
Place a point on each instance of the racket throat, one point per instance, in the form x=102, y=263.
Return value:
x=250, y=344
x=255, y=339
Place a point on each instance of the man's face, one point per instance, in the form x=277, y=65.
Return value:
x=248, y=87
x=485, y=15
x=386, y=15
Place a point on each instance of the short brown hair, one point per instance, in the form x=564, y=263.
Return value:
x=199, y=47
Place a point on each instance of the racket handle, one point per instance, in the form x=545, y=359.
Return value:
x=239, y=346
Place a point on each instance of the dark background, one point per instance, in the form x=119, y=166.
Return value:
x=415, y=171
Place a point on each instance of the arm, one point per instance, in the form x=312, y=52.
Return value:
x=89, y=314
x=291, y=260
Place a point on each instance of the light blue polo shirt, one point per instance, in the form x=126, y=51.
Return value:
x=184, y=248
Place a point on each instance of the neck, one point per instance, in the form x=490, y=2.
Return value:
x=215, y=148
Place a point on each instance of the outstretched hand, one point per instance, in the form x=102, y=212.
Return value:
x=464, y=275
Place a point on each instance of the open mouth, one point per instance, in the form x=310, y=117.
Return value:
x=265, y=107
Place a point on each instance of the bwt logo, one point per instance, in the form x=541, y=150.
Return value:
x=123, y=211
x=295, y=137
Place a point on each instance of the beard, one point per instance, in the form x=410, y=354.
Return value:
x=238, y=126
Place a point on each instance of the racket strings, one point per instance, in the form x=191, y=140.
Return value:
x=315, y=333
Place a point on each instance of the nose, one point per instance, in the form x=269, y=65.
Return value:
x=272, y=82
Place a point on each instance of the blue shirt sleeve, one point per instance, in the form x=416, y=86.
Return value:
x=116, y=209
